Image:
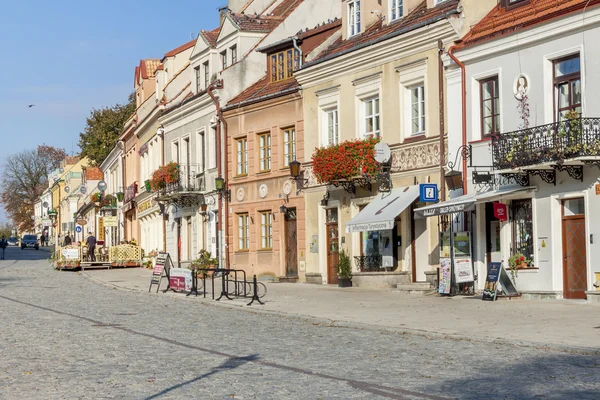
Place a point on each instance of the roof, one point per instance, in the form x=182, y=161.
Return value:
x=149, y=67
x=211, y=36
x=420, y=16
x=501, y=21
x=264, y=89
x=181, y=48
x=263, y=22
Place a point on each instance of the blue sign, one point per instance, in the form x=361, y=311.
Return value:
x=429, y=193
x=78, y=229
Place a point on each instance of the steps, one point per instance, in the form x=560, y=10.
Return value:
x=413, y=288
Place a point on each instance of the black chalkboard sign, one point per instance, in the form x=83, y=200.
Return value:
x=162, y=267
x=491, y=282
x=508, y=287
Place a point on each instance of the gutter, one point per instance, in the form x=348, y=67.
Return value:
x=383, y=38
x=463, y=95
x=295, y=43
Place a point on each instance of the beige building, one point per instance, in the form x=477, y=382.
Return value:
x=380, y=79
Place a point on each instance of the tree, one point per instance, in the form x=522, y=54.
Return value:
x=5, y=230
x=102, y=130
x=25, y=179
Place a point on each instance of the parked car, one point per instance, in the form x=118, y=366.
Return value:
x=30, y=241
x=12, y=241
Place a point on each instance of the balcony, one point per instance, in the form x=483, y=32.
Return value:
x=190, y=179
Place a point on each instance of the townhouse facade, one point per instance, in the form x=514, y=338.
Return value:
x=112, y=169
x=529, y=120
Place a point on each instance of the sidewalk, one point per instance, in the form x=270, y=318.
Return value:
x=557, y=324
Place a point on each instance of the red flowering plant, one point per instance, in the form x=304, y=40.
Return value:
x=164, y=174
x=346, y=160
x=515, y=262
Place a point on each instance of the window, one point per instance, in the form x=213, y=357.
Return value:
x=206, y=67
x=490, y=106
x=266, y=230
x=264, y=143
x=396, y=9
x=417, y=106
x=243, y=232
x=371, y=116
x=510, y=3
x=233, y=51
x=567, y=85
x=242, y=156
x=332, y=127
x=283, y=64
x=198, y=79
x=522, y=224
x=289, y=146
x=224, y=59
x=202, y=143
x=353, y=17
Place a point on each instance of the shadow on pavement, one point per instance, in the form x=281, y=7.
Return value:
x=229, y=364
x=561, y=376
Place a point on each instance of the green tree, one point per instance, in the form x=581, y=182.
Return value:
x=5, y=229
x=102, y=130
x=24, y=179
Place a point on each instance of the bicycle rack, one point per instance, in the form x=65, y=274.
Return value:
x=240, y=287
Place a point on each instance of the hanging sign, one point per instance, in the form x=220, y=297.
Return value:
x=100, y=229
x=463, y=270
x=500, y=211
x=445, y=283
x=491, y=281
x=82, y=222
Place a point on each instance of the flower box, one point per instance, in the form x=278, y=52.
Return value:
x=348, y=159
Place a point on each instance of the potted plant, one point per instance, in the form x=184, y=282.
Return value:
x=165, y=174
x=344, y=269
x=204, y=261
x=515, y=262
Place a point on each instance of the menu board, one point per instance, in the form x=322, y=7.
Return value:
x=491, y=281
x=463, y=270
x=445, y=284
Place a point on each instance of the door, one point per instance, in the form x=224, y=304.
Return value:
x=574, y=249
x=291, y=243
x=332, y=245
x=421, y=244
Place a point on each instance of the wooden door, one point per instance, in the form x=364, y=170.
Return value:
x=574, y=250
x=291, y=243
x=332, y=245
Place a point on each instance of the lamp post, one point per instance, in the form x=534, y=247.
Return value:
x=224, y=194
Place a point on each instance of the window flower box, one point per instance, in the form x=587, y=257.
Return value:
x=342, y=162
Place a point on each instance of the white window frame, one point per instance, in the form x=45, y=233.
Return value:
x=290, y=145
x=398, y=7
x=328, y=101
x=233, y=53
x=354, y=17
x=436, y=2
x=366, y=89
x=421, y=111
x=374, y=116
x=223, y=58
x=332, y=135
x=410, y=76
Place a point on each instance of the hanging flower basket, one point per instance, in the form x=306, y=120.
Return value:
x=165, y=174
x=346, y=160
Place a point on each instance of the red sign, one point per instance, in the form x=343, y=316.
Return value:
x=500, y=211
x=177, y=282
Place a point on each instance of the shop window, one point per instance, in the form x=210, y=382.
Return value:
x=522, y=227
x=567, y=85
x=266, y=230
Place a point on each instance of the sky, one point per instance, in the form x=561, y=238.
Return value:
x=67, y=57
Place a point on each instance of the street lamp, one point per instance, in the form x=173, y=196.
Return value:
x=297, y=175
x=220, y=187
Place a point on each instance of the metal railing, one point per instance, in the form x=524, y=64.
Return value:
x=370, y=263
x=556, y=142
x=191, y=179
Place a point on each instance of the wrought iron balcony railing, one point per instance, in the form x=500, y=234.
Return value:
x=190, y=179
x=370, y=263
x=552, y=143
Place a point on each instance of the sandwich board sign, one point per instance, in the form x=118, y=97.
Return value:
x=496, y=274
x=162, y=268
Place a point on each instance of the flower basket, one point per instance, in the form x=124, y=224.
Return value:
x=345, y=161
x=165, y=174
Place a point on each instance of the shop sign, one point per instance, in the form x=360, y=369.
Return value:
x=46, y=223
x=180, y=279
x=368, y=227
x=82, y=222
x=500, y=211
x=445, y=283
x=144, y=206
x=463, y=270
x=110, y=222
x=442, y=210
x=70, y=253
x=100, y=229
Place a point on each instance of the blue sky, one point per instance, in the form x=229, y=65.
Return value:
x=68, y=57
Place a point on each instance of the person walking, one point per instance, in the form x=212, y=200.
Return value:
x=3, y=244
x=91, y=244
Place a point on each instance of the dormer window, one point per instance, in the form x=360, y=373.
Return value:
x=283, y=64
x=508, y=4
x=224, y=59
x=396, y=9
x=353, y=17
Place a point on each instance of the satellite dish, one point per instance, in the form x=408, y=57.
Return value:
x=83, y=190
x=102, y=186
x=67, y=189
x=45, y=204
x=382, y=152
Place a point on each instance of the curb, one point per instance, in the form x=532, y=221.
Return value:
x=329, y=323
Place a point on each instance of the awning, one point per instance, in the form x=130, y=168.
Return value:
x=381, y=212
x=467, y=202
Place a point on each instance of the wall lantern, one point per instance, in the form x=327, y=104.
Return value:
x=454, y=180
x=297, y=175
x=220, y=187
x=283, y=209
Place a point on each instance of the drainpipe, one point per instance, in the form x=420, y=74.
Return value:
x=223, y=212
x=463, y=78
x=295, y=42
x=161, y=134
x=442, y=121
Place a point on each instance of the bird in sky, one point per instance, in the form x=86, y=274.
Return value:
x=31, y=105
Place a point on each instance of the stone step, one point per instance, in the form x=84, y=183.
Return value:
x=413, y=288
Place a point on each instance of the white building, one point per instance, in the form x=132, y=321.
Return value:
x=529, y=75
x=112, y=168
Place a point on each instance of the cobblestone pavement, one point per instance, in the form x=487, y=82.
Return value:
x=64, y=337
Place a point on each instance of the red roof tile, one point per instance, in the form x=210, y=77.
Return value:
x=265, y=23
x=501, y=21
x=264, y=89
x=211, y=36
x=181, y=48
x=379, y=31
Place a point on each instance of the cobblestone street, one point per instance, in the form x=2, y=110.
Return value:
x=65, y=337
